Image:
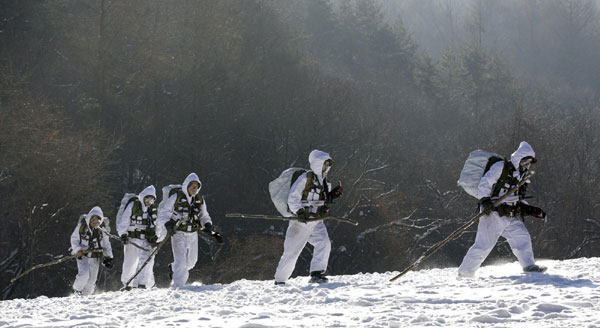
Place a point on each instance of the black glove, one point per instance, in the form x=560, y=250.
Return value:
x=534, y=211
x=170, y=225
x=323, y=210
x=151, y=236
x=108, y=262
x=303, y=214
x=486, y=205
x=336, y=192
x=124, y=239
x=523, y=190
x=207, y=227
x=153, y=240
x=217, y=236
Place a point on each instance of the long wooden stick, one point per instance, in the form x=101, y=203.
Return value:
x=435, y=248
x=35, y=267
x=154, y=252
x=129, y=241
x=292, y=218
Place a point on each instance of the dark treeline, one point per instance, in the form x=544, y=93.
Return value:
x=99, y=98
x=552, y=42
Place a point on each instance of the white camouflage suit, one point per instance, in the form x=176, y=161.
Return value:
x=133, y=257
x=298, y=233
x=184, y=244
x=492, y=226
x=87, y=266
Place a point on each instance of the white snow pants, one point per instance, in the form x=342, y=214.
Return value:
x=490, y=228
x=85, y=281
x=296, y=237
x=133, y=258
x=185, y=255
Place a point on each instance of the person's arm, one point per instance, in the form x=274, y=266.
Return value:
x=486, y=184
x=295, y=196
x=204, y=216
x=164, y=215
x=75, y=240
x=124, y=220
x=105, y=243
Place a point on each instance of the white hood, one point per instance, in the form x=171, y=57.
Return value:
x=523, y=151
x=94, y=211
x=190, y=178
x=316, y=160
x=148, y=191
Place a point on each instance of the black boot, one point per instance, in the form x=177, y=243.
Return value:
x=318, y=277
x=141, y=286
x=279, y=283
x=535, y=268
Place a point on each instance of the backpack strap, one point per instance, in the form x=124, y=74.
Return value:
x=137, y=218
x=310, y=185
x=505, y=177
x=95, y=234
x=174, y=191
x=82, y=228
x=309, y=182
x=136, y=209
x=193, y=210
x=296, y=175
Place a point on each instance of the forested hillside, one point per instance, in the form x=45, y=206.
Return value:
x=100, y=98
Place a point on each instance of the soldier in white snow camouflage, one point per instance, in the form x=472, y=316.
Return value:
x=88, y=236
x=506, y=218
x=308, y=199
x=137, y=224
x=185, y=204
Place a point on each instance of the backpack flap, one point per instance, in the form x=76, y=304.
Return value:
x=476, y=165
x=167, y=191
x=279, y=189
x=127, y=198
x=106, y=224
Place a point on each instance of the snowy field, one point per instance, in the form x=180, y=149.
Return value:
x=500, y=296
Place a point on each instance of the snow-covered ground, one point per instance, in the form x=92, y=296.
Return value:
x=500, y=296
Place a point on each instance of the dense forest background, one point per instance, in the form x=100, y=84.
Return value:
x=99, y=98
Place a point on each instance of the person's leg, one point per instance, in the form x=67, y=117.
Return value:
x=179, y=266
x=130, y=264
x=322, y=247
x=192, y=246
x=82, y=274
x=145, y=277
x=94, y=266
x=489, y=229
x=520, y=242
x=295, y=239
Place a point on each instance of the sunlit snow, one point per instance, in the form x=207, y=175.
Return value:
x=499, y=296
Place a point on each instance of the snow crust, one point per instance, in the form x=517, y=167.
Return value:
x=567, y=295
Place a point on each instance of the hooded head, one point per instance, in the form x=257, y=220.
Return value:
x=523, y=151
x=96, y=211
x=316, y=159
x=192, y=177
x=148, y=191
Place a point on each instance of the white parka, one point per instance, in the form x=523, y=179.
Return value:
x=166, y=211
x=489, y=179
x=78, y=243
x=316, y=159
x=124, y=223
